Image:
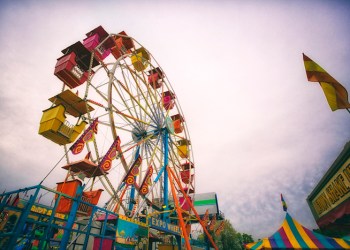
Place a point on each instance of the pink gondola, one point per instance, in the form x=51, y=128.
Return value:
x=168, y=100
x=72, y=68
x=93, y=40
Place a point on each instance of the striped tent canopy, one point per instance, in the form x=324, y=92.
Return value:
x=293, y=235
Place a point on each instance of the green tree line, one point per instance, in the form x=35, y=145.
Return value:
x=228, y=239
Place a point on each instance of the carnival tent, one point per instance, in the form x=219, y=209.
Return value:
x=293, y=235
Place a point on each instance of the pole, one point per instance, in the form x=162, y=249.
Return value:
x=166, y=185
x=71, y=218
x=179, y=213
x=132, y=191
x=193, y=209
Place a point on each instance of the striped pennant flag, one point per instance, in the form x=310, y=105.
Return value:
x=284, y=204
x=336, y=94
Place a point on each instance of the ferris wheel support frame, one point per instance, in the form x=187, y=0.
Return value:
x=172, y=174
x=71, y=219
x=132, y=191
x=166, y=185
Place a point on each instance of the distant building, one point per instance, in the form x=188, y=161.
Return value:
x=330, y=200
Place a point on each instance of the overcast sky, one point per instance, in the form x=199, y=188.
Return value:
x=258, y=127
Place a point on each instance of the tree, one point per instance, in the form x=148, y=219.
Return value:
x=245, y=238
x=228, y=239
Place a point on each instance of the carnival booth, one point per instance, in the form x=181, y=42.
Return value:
x=330, y=200
x=293, y=235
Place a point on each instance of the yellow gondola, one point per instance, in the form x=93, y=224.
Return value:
x=53, y=126
x=182, y=148
x=140, y=60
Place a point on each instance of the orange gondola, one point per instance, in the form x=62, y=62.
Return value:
x=123, y=45
x=178, y=123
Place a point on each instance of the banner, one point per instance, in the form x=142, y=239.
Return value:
x=88, y=135
x=146, y=181
x=164, y=226
x=131, y=234
x=334, y=192
x=111, y=154
x=133, y=171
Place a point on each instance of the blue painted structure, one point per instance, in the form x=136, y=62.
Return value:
x=28, y=220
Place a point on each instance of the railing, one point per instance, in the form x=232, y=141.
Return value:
x=66, y=129
x=84, y=207
x=31, y=221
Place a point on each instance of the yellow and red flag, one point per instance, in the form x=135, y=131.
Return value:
x=206, y=217
x=88, y=135
x=220, y=228
x=212, y=223
x=336, y=94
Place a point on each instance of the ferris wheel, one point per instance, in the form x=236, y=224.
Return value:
x=119, y=109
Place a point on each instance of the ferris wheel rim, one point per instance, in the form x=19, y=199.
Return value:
x=112, y=116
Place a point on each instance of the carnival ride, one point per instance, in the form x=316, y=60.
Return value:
x=124, y=138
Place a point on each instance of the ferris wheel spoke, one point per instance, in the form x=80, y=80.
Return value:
x=107, y=124
x=125, y=116
x=132, y=114
x=154, y=153
x=155, y=161
x=149, y=95
x=153, y=96
x=126, y=99
x=113, y=193
x=137, y=77
x=174, y=154
x=137, y=95
x=133, y=98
